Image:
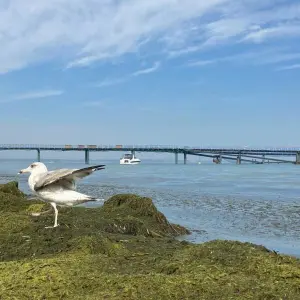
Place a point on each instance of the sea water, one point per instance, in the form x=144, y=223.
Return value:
x=248, y=202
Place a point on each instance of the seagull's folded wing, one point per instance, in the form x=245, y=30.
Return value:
x=66, y=177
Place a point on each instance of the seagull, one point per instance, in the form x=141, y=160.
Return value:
x=58, y=186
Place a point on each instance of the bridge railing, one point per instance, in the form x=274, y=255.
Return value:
x=147, y=147
x=70, y=146
x=30, y=146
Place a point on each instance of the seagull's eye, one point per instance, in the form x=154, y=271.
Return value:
x=32, y=166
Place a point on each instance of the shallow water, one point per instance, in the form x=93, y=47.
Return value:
x=254, y=203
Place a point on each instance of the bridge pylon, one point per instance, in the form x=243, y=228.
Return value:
x=176, y=158
x=218, y=159
x=297, y=158
x=38, y=155
x=87, y=156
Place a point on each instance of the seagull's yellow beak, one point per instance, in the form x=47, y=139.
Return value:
x=24, y=171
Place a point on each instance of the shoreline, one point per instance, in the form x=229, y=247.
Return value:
x=281, y=244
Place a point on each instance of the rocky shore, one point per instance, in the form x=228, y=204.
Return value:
x=127, y=249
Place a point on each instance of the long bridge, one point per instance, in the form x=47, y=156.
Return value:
x=238, y=154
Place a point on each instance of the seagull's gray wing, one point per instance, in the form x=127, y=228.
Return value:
x=65, y=177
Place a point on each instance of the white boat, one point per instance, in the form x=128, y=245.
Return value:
x=129, y=159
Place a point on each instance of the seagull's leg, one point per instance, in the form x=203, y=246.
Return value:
x=56, y=215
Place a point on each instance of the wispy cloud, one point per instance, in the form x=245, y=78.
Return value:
x=152, y=69
x=38, y=94
x=183, y=51
x=84, y=61
x=281, y=31
x=115, y=81
x=268, y=56
x=291, y=67
x=111, y=82
x=109, y=29
x=243, y=22
x=279, y=57
x=200, y=63
x=33, y=95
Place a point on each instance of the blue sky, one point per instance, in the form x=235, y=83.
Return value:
x=168, y=72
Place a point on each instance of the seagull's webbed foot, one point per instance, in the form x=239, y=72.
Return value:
x=52, y=226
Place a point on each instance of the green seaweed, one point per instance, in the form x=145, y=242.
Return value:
x=127, y=249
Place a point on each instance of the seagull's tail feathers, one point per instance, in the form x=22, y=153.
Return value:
x=91, y=198
x=96, y=199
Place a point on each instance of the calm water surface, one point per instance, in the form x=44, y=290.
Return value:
x=254, y=203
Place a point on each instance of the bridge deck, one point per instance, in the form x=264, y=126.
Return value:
x=263, y=154
x=154, y=148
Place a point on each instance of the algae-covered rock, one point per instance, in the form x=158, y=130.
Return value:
x=127, y=250
x=11, y=188
x=140, y=209
x=12, y=199
x=126, y=215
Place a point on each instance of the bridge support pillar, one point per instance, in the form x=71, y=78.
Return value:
x=218, y=159
x=38, y=155
x=133, y=152
x=239, y=159
x=176, y=158
x=184, y=158
x=298, y=158
x=87, y=156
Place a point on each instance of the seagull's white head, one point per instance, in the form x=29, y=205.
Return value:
x=35, y=167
